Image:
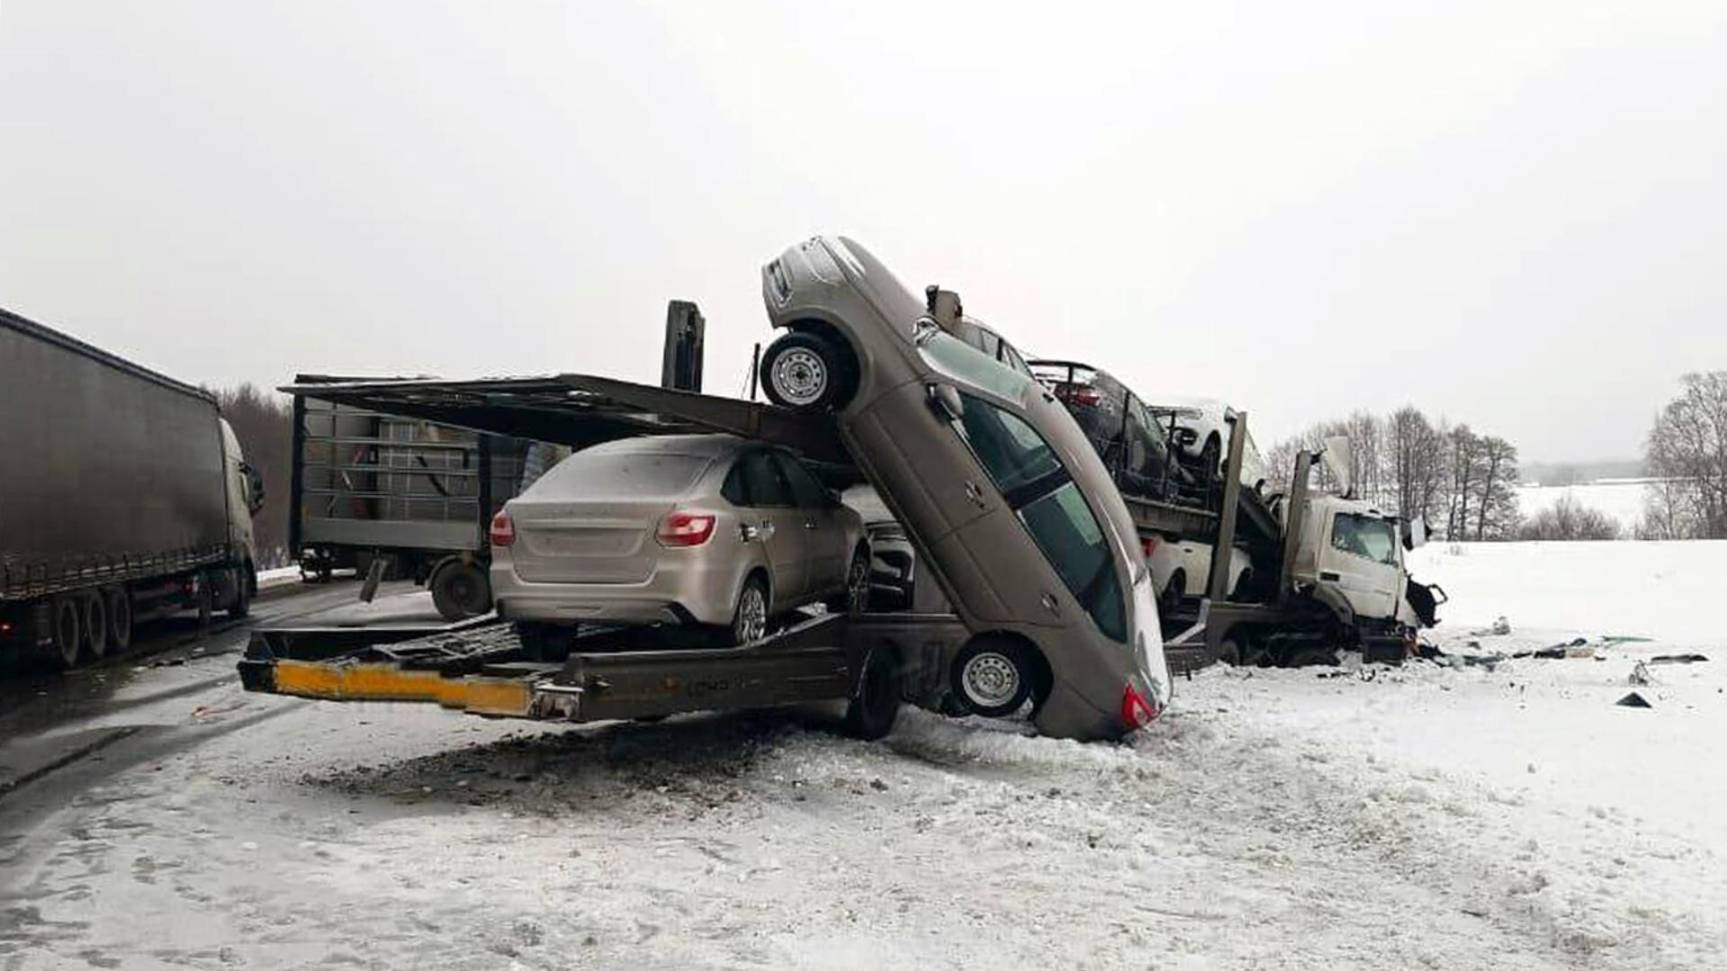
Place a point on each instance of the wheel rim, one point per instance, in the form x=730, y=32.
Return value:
x=752, y=622
x=800, y=376
x=857, y=583
x=990, y=680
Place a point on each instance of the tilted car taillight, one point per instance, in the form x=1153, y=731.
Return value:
x=1136, y=710
x=686, y=529
x=1088, y=397
x=503, y=532
x=1149, y=545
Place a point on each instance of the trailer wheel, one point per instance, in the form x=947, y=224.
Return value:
x=807, y=372
x=460, y=590
x=95, y=625
x=119, y=617
x=242, y=604
x=1312, y=657
x=67, y=621
x=993, y=676
x=206, y=600
x=872, y=711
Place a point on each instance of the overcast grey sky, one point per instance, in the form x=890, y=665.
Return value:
x=1509, y=213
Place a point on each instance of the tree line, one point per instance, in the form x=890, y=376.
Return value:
x=1463, y=483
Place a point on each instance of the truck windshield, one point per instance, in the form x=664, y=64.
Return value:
x=1038, y=488
x=1364, y=536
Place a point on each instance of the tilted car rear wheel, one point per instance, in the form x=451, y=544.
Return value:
x=750, y=617
x=992, y=676
x=807, y=372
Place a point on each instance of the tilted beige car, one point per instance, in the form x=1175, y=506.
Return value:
x=1006, y=501
x=706, y=530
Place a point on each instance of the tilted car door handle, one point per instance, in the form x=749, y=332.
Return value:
x=1051, y=604
x=974, y=492
x=809, y=524
x=1329, y=575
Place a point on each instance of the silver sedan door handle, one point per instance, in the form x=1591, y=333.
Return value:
x=1051, y=604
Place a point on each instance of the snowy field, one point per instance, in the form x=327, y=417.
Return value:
x=1504, y=816
x=1620, y=499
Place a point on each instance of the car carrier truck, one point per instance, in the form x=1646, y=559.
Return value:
x=123, y=496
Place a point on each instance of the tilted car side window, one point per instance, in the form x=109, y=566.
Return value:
x=963, y=362
x=807, y=492
x=1033, y=481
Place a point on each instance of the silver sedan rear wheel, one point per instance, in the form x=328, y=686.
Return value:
x=750, y=620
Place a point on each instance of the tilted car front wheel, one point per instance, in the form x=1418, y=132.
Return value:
x=806, y=372
x=992, y=677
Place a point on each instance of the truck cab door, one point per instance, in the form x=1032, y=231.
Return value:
x=1361, y=557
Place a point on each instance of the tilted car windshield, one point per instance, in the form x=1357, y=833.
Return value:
x=1365, y=536
x=1035, y=484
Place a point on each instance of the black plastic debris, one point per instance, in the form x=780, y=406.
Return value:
x=1677, y=658
x=1634, y=700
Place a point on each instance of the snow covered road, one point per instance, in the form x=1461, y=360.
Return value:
x=1423, y=817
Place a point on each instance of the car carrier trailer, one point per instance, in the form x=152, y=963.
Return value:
x=871, y=662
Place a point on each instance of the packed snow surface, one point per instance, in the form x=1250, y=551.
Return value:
x=1500, y=814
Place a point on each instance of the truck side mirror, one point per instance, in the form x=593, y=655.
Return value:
x=254, y=489
x=945, y=401
x=1414, y=533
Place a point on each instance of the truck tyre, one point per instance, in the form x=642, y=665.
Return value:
x=68, y=620
x=993, y=676
x=872, y=711
x=119, y=604
x=242, y=604
x=460, y=591
x=807, y=372
x=95, y=625
x=206, y=600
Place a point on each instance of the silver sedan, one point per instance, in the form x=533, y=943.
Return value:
x=709, y=530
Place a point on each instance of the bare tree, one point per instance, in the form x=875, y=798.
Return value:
x=1569, y=519
x=1496, y=512
x=1416, y=461
x=1688, y=449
